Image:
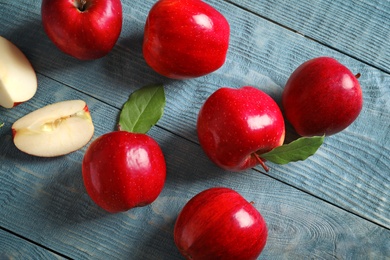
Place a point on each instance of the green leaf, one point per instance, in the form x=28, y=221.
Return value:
x=1, y=125
x=297, y=150
x=143, y=109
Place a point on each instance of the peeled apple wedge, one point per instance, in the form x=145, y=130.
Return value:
x=18, y=81
x=54, y=130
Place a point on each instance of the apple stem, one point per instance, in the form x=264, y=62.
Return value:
x=357, y=76
x=82, y=5
x=261, y=162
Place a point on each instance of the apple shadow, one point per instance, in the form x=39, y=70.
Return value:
x=38, y=48
x=291, y=134
x=123, y=65
x=186, y=162
x=129, y=63
x=158, y=244
x=64, y=199
x=27, y=37
x=6, y=142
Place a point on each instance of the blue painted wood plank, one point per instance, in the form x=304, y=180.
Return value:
x=13, y=247
x=357, y=28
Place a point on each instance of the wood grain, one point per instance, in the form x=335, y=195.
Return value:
x=261, y=54
x=356, y=28
x=14, y=248
x=333, y=206
x=45, y=201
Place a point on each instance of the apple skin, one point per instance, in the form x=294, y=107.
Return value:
x=84, y=29
x=218, y=223
x=123, y=170
x=185, y=38
x=322, y=96
x=235, y=126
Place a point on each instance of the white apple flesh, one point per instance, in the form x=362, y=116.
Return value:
x=18, y=81
x=54, y=130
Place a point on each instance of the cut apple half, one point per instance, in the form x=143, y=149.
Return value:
x=18, y=81
x=54, y=130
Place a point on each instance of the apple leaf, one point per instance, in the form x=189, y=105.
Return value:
x=143, y=109
x=1, y=124
x=297, y=150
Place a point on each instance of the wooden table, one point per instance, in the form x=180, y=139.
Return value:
x=335, y=205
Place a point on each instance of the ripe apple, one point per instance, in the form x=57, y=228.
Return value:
x=84, y=29
x=54, y=130
x=322, y=96
x=185, y=38
x=18, y=81
x=218, y=223
x=236, y=126
x=122, y=170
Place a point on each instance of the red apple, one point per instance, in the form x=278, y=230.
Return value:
x=322, y=96
x=219, y=223
x=235, y=126
x=85, y=29
x=123, y=170
x=185, y=38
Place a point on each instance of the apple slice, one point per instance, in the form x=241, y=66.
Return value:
x=54, y=130
x=18, y=81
